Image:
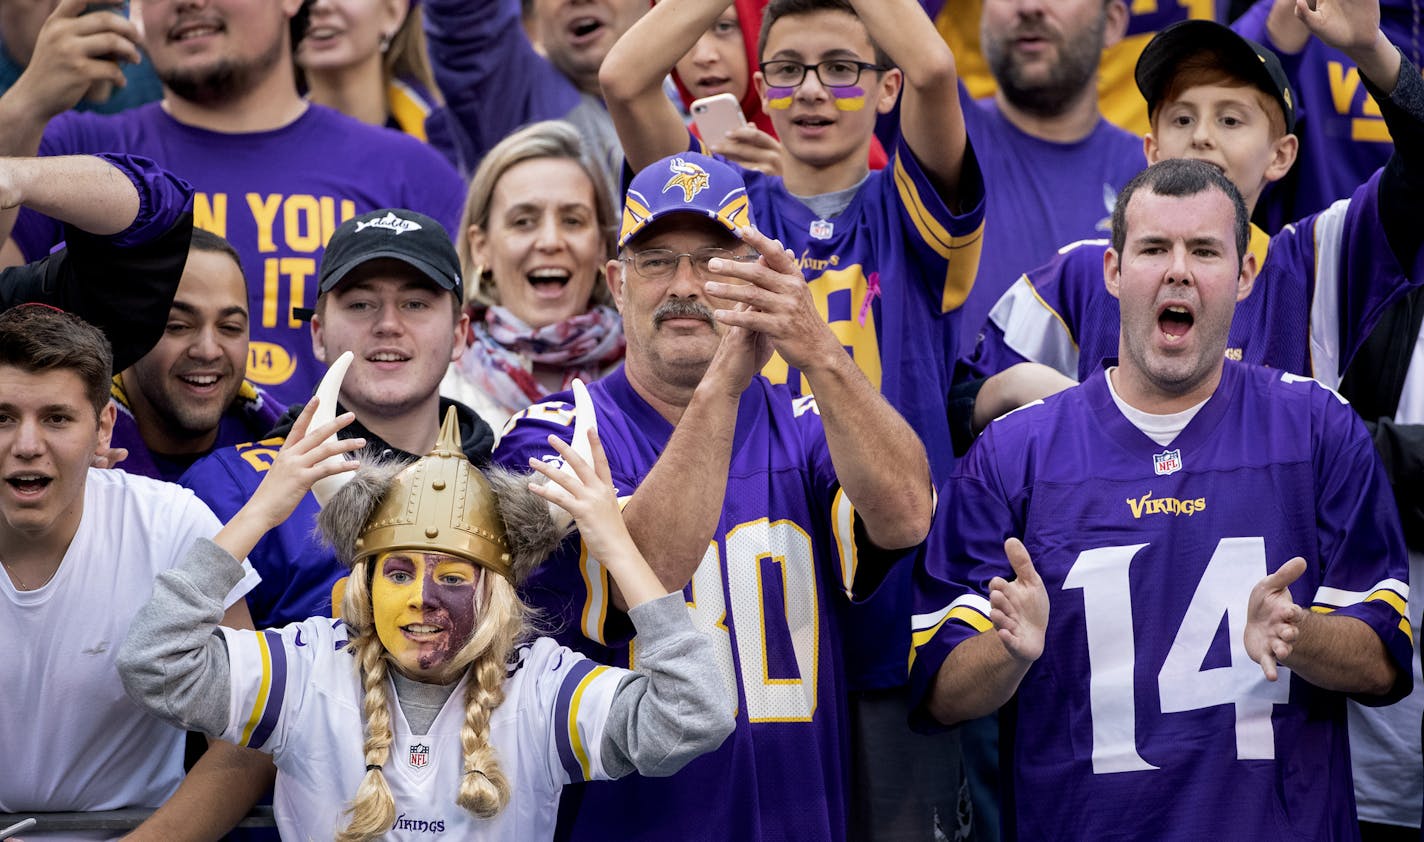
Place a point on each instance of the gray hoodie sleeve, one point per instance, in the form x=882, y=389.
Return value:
x=676, y=707
x=174, y=664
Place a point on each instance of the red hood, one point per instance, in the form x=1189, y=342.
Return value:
x=749, y=18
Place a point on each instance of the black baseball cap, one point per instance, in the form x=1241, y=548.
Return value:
x=412, y=238
x=1240, y=57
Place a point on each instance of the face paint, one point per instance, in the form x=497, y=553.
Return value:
x=779, y=98
x=424, y=609
x=848, y=97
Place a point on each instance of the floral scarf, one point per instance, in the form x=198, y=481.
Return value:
x=504, y=350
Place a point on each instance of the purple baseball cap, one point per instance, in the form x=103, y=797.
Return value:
x=685, y=183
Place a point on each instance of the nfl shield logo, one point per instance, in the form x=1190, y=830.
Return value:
x=822, y=230
x=1167, y=462
x=419, y=755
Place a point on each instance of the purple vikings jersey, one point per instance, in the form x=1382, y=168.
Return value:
x=889, y=274
x=276, y=196
x=1343, y=138
x=1145, y=718
x=1067, y=194
x=1323, y=283
x=784, y=552
x=251, y=414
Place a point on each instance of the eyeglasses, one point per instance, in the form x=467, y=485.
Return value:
x=659, y=264
x=833, y=73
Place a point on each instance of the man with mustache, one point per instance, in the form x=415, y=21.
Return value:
x=767, y=509
x=274, y=174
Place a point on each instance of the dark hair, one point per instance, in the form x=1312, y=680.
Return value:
x=297, y=24
x=778, y=9
x=1181, y=177
x=38, y=338
x=209, y=242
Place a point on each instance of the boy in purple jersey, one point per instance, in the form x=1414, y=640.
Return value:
x=765, y=508
x=1324, y=280
x=1169, y=522
x=1343, y=136
x=274, y=174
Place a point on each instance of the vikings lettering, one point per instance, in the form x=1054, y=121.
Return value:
x=1148, y=505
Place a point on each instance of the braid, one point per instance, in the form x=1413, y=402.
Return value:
x=373, y=810
x=484, y=790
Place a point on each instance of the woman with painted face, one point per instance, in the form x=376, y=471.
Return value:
x=367, y=59
x=428, y=707
x=537, y=230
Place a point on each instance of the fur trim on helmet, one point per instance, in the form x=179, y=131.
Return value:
x=344, y=517
x=528, y=529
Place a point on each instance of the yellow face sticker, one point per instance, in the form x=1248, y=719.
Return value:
x=424, y=609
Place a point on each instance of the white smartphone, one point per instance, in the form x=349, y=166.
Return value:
x=716, y=115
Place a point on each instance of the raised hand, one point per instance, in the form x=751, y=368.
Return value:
x=1346, y=25
x=750, y=147
x=303, y=459
x=1019, y=609
x=775, y=303
x=1273, y=619
x=77, y=54
x=585, y=490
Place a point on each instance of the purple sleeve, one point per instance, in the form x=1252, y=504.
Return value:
x=944, y=245
x=1038, y=318
x=965, y=549
x=1365, y=564
x=492, y=79
x=570, y=588
x=163, y=198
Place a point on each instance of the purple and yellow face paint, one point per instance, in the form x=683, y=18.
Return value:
x=424, y=609
x=847, y=97
x=779, y=99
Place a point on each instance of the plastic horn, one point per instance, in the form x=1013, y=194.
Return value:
x=584, y=421
x=328, y=393
x=13, y=829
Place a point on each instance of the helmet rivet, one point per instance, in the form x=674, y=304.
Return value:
x=438, y=485
x=431, y=532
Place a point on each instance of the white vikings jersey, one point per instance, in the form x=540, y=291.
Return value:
x=296, y=693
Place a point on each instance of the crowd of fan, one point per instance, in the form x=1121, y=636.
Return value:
x=486, y=201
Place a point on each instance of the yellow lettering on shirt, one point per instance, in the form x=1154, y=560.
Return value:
x=839, y=295
x=210, y=213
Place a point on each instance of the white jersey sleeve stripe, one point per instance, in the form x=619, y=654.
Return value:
x=1392, y=591
x=595, y=583
x=573, y=753
x=270, y=691
x=843, y=517
x=1325, y=302
x=1034, y=330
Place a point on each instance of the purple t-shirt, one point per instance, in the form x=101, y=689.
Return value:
x=1145, y=718
x=783, y=554
x=1041, y=195
x=277, y=196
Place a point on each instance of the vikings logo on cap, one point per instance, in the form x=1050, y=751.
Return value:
x=690, y=177
x=686, y=183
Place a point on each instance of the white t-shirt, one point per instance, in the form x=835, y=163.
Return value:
x=70, y=738
x=296, y=693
